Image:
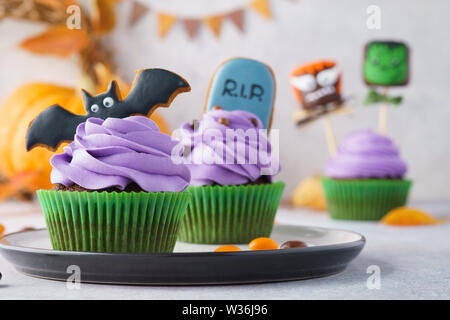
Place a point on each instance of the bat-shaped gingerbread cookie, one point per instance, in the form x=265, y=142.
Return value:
x=152, y=88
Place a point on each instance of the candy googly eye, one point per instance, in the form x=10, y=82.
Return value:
x=304, y=83
x=328, y=77
x=108, y=102
x=95, y=108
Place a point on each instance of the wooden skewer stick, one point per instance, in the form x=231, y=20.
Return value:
x=329, y=133
x=383, y=114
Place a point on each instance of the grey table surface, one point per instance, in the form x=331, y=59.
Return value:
x=414, y=263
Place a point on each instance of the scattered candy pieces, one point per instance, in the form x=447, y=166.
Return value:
x=293, y=244
x=28, y=229
x=404, y=216
x=263, y=244
x=227, y=248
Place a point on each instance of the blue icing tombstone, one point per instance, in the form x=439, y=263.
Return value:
x=243, y=84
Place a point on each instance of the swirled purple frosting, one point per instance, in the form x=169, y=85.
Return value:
x=364, y=155
x=118, y=152
x=217, y=159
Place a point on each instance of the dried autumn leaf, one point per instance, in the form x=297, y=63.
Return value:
x=103, y=15
x=56, y=4
x=16, y=183
x=58, y=40
x=309, y=193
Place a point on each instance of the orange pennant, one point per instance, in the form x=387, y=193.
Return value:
x=262, y=6
x=165, y=22
x=214, y=23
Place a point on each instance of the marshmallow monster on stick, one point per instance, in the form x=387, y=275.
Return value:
x=317, y=87
x=386, y=64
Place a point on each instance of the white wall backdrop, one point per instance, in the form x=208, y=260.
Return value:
x=301, y=31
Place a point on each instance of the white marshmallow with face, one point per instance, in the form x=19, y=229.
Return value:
x=313, y=88
x=328, y=77
x=304, y=83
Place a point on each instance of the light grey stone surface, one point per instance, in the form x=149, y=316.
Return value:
x=414, y=264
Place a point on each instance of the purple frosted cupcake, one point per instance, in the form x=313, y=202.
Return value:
x=365, y=179
x=231, y=165
x=117, y=189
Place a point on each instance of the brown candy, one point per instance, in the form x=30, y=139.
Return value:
x=254, y=121
x=28, y=229
x=217, y=108
x=224, y=121
x=293, y=244
x=194, y=124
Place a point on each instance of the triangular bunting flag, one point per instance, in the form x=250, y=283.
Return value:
x=214, y=23
x=238, y=18
x=165, y=22
x=137, y=12
x=191, y=27
x=262, y=6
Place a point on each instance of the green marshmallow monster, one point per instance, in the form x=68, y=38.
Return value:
x=386, y=63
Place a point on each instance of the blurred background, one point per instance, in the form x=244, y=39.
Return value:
x=284, y=34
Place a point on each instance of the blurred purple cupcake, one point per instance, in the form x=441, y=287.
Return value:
x=365, y=179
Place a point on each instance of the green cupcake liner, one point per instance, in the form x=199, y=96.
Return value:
x=134, y=222
x=363, y=199
x=230, y=214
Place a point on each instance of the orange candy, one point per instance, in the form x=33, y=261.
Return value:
x=2, y=229
x=263, y=244
x=404, y=216
x=227, y=248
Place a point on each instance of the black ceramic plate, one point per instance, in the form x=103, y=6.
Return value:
x=329, y=253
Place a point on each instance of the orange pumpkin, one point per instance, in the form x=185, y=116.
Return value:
x=15, y=116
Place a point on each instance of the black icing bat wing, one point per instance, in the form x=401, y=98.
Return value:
x=152, y=88
x=53, y=126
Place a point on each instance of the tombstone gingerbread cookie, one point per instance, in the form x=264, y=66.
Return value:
x=243, y=84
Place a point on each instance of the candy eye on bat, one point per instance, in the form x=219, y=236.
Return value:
x=328, y=77
x=95, y=108
x=304, y=83
x=108, y=102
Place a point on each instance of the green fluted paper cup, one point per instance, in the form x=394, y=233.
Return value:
x=364, y=199
x=230, y=214
x=134, y=222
